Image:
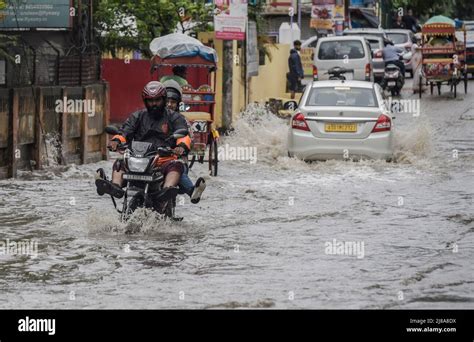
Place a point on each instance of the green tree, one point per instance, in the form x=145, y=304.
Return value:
x=133, y=24
x=6, y=41
x=115, y=29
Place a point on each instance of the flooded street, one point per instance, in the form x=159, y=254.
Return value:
x=259, y=236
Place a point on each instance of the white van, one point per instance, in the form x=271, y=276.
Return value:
x=352, y=53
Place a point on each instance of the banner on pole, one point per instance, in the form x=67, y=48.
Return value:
x=230, y=19
x=252, y=50
x=323, y=14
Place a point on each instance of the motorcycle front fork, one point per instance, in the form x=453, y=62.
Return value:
x=125, y=205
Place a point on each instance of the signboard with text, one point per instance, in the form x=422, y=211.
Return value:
x=306, y=55
x=322, y=14
x=252, y=50
x=36, y=14
x=230, y=19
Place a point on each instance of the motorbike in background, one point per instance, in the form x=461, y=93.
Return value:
x=337, y=73
x=393, y=80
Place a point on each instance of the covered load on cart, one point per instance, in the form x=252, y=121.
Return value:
x=197, y=64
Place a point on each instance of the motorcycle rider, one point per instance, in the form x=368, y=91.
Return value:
x=391, y=55
x=174, y=96
x=155, y=125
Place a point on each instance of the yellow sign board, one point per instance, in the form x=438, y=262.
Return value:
x=321, y=24
x=306, y=55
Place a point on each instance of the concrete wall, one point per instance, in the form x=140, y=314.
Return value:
x=29, y=114
x=271, y=79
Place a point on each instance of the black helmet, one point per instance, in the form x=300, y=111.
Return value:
x=173, y=90
x=387, y=41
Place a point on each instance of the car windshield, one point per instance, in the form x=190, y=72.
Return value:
x=341, y=49
x=398, y=38
x=342, y=96
x=375, y=44
x=309, y=43
x=364, y=34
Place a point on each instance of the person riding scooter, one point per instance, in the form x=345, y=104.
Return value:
x=155, y=125
x=391, y=55
x=174, y=96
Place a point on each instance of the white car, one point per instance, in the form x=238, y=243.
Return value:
x=310, y=42
x=341, y=120
x=351, y=53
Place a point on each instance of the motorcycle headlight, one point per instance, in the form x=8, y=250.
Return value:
x=138, y=164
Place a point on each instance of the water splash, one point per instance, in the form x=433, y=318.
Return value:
x=258, y=127
x=53, y=146
x=142, y=222
x=414, y=144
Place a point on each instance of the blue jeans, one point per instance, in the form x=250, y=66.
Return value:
x=185, y=184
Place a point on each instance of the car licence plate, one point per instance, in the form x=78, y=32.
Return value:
x=392, y=83
x=340, y=127
x=143, y=178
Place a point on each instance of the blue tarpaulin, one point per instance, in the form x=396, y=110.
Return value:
x=181, y=45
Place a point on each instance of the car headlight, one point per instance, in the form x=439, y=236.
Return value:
x=138, y=164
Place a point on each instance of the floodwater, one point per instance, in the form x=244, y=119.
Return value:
x=259, y=237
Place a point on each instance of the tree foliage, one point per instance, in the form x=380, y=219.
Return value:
x=6, y=41
x=132, y=24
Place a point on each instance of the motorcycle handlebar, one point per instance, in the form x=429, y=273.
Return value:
x=120, y=147
x=165, y=151
x=161, y=151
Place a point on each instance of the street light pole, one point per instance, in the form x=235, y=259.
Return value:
x=299, y=14
x=292, y=13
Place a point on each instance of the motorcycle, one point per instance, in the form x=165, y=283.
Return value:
x=143, y=181
x=393, y=79
x=337, y=73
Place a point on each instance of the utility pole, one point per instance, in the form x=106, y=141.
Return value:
x=347, y=20
x=227, y=84
x=299, y=15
